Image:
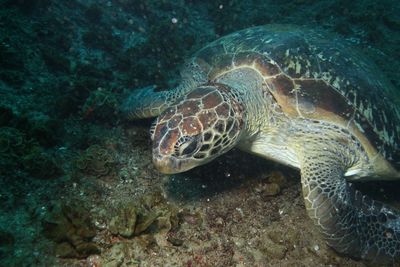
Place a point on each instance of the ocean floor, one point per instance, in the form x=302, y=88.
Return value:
x=77, y=184
x=237, y=211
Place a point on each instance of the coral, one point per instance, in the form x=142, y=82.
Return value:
x=12, y=71
x=102, y=38
x=39, y=127
x=124, y=222
x=150, y=214
x=145, y=220
x=12, y=141
x=55, y=60
x=169, y=37
x=12, y=77
x=93, y=13
x=35, y=125
x=7, y=241
x=95, y=160
x=73, y=94
x=71, y=228
x=40, y=165
x=18, y=151
x=6, y=116
x=89, y=76
x=10, y=57
x=28, y=6
x=13, y=145
x=117, y=254
x=100, y=105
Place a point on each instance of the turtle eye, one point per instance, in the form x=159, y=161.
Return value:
x=153, y=129
x=186, y=145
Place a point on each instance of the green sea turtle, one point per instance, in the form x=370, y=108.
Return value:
x=300, y=97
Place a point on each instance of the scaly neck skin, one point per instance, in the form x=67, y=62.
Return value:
x=259, y=106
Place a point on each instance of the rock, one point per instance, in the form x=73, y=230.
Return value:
x=174, y=240
x=113, y=225
x=124, y=223
x=65, y=250
x=145, y=221
x=87, y=248
x=193, y=218
x=272, y=189
x=71, y=227
x=150, y=211
x=7, y=241
x=6, y=238
x=278, y=178
x=116, y=256
x=274, y=250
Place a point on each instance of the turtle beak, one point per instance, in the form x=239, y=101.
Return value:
x=172, y=165
x=166, y=164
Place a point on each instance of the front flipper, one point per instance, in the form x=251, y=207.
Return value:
x=146, y=103
x=352, y=224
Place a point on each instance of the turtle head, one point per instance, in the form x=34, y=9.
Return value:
x=199, y=127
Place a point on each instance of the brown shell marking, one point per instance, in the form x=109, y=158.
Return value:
x=309, y=98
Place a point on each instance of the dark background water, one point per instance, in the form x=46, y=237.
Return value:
x=65, y=66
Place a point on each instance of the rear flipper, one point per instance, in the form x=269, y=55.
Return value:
x=352, y=224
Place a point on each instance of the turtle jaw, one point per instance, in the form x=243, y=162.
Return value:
x=171, y=165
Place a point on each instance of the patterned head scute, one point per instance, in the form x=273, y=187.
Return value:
x=200, y=126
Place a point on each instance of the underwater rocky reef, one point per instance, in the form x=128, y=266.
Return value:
x=77, y=184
